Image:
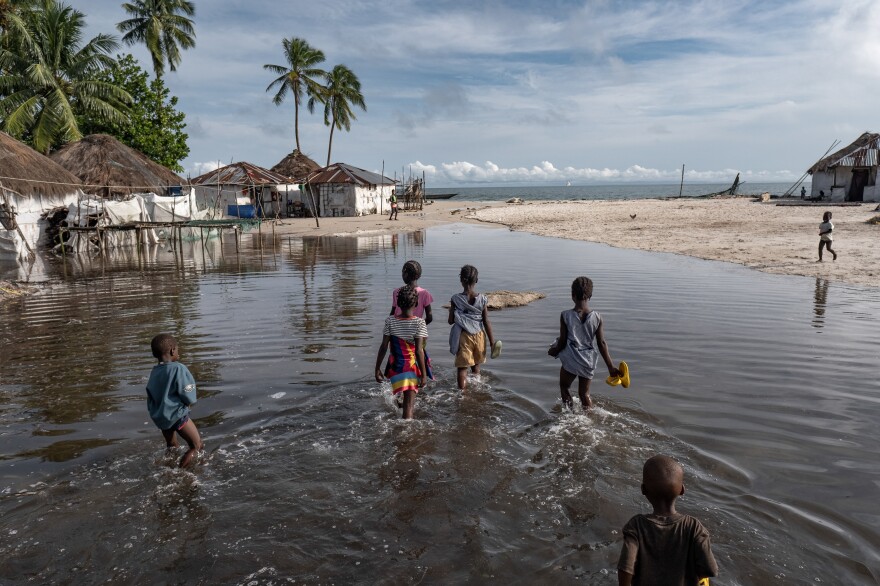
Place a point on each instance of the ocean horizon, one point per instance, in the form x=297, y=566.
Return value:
x=600, y=192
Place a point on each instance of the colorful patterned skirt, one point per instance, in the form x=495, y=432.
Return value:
x=403, y=368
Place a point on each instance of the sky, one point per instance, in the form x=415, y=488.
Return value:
x=537, y=91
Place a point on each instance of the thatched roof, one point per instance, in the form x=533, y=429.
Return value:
x=22, y=168
x=241, y=173
x=296, y=165
x=101, y=160
x=863, y=151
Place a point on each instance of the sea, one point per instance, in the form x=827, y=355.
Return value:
x=615, y=191
x=764, y=387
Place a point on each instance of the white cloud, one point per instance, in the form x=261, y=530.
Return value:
x=592, y=88
x=546, y=172
x=196, y=169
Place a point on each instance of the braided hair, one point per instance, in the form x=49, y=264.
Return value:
x=407, y=297
x=468, y=275
x=581, y=288
x=412, y=271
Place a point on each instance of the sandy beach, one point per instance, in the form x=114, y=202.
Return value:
x=763, y=236
x=432, y=214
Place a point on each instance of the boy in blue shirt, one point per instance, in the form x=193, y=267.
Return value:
x=170, y=391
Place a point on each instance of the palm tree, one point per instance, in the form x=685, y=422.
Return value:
x=163, y=26
x=49, y=79
x=343, y=90
x=298, y=77
x=10, y=11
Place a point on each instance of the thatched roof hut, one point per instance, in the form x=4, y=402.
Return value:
x=296, y=165
x=100, y=160
x=851, y=173
x=25, y=171
x=864, y=146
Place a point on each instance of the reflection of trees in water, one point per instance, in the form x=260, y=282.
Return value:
x=72, y=352
x=335, y=288
x=820, y=300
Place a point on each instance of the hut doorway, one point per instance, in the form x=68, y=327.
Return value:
x=857, y=185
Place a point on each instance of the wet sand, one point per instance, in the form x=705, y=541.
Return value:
x=763, y=236
x=434, y=214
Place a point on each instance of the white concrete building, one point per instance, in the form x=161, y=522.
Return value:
x=344, y=190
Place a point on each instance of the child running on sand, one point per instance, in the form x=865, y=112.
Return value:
x=408, y=369
x=665, y=548
x=170, y=391
x=575, y=348
x=468, y=316
x=412, y=272
x=825, y=237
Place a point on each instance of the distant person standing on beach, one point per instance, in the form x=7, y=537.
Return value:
x=393, y=200
x=825, y=238
x=580, y=333
x=803, y=192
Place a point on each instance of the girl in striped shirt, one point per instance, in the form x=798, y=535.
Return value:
x=405, y=335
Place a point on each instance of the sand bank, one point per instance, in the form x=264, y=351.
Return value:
x=763, y=236
x=434, y=214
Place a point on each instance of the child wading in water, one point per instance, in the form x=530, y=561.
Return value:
x=665, y=547
x=408, y=369
x=412, y=272
x=575, y=348
x=170, y=391
x=825, y=237
x=468, y=317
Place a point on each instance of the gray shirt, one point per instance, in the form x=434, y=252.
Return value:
x=466, y=316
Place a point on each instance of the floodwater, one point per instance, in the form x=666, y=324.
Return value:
x=764, y=387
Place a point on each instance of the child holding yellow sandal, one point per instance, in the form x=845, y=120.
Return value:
x=581, y=341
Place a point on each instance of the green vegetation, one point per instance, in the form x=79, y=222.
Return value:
x=48, y=77
x=299, y=77
x=55, y=87
x=154, y=126
x=163, y=26
x=343, y=90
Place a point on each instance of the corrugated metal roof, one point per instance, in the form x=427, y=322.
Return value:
x=864, y=157
x=343, y=173
x=242, y=173
x=862, y=152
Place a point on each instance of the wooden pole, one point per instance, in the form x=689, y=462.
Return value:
x=681, y=187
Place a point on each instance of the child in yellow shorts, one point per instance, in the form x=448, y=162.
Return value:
x=468, y=316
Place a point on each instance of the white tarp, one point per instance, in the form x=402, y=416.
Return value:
x=139, y=207
x=28, y=216
x=172, y=209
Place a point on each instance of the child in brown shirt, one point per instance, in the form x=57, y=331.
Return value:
x=665, y=548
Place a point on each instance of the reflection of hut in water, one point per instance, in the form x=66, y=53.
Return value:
x=111, y=169
x=344, y=190
x=245, y=190
x=32, y=187
x=849, y=174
